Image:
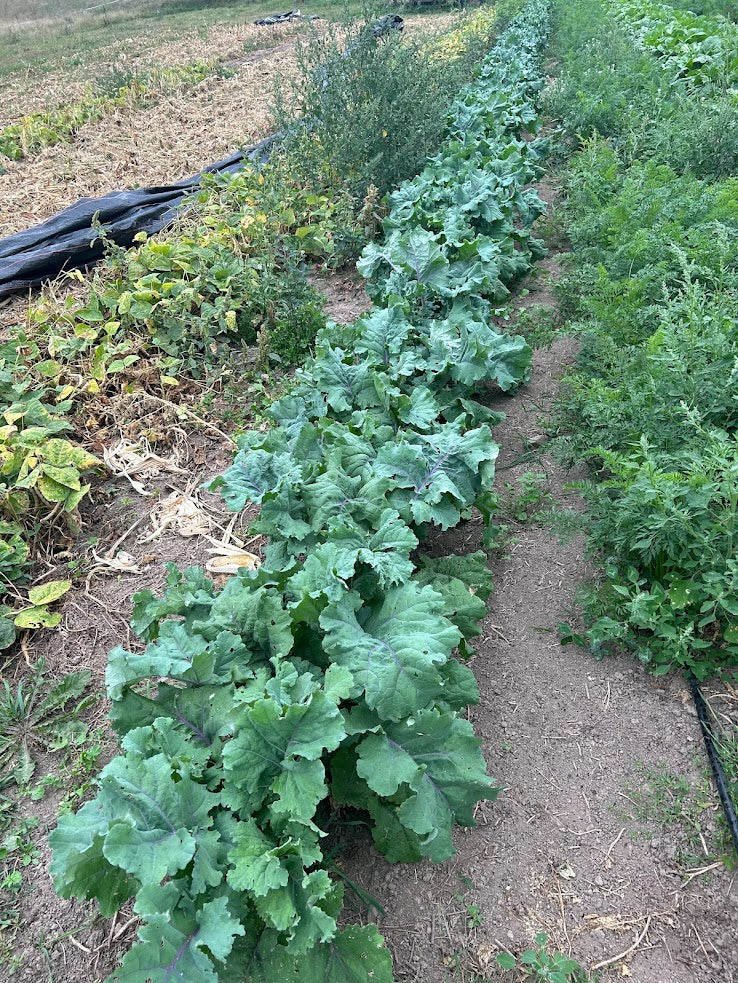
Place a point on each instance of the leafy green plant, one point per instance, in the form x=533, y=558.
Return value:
x=539, y=964
x=695, y=47
x=14, y=552
x=41, y=478
x=38, y=716
x=325, y=680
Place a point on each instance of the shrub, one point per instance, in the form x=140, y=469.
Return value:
x=377, y=113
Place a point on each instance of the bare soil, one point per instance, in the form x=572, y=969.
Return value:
x=346, y=298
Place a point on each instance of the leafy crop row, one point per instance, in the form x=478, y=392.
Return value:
x=230, y=272
x=327, y=678
x=652, y=401
x=637, y=104
x=41, y=478
x=46, y=128
x=695, y=47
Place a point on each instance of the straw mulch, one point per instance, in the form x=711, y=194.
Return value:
x=223, y=43
x=36, y=90
x=158, y=144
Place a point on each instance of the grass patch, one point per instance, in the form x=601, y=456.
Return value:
x=687, y=813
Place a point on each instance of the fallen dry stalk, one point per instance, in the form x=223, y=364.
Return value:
x=626, y=952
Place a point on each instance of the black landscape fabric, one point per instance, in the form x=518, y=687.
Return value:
x=69, y=240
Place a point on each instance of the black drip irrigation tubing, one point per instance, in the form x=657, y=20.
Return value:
x=714, y=755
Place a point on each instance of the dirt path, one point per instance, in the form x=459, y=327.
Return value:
x=605, y=809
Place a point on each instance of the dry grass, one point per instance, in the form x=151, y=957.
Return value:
x=150, y=145
x=34, y=90
x=34, y=15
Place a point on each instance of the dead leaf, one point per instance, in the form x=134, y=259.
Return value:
x=233, y=562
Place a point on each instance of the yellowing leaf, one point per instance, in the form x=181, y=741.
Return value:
x=60, y=454
x=37, y=618
x=168, y=380
x=233, y=563
x=52, y=490
x=73, y=499
x=64, y=475
x=17, y=503
x=49, y=592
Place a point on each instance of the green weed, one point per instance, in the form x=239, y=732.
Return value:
x=538, y=324
x=541, y=965
x=38, y=716
x=525, y=497
x=660, y=800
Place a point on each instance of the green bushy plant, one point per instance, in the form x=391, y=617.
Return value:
x=651, y=402
x=637, y=230
x=377, y=112
x=634, y=103
x=618, y=393
x=670, y=589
